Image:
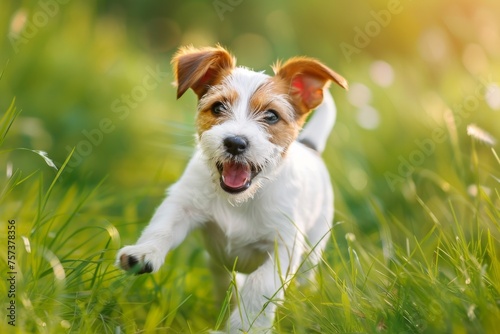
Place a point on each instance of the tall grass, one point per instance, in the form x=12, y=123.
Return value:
x=433, y=269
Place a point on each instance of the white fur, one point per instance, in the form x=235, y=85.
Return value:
x=267, y=229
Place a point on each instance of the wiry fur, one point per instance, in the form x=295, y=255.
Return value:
x=287, y=210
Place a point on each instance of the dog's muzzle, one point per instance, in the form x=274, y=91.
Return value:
x=236, y=176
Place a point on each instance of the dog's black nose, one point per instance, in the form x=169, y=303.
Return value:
x=235, y=145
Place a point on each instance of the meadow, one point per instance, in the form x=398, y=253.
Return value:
x=91, y=135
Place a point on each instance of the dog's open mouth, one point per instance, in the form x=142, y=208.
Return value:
x=236, y=177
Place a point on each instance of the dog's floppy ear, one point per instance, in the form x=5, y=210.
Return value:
x=307, y=77
x=200, y=68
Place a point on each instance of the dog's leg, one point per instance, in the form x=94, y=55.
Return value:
x=262, y=292
x=179, y=213
x=166, y=230
x=317, y=239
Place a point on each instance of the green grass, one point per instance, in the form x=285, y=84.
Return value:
x=433, y=267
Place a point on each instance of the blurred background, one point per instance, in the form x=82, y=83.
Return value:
x=95, y=76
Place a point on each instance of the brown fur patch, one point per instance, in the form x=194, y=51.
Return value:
x=199, y=69
x=206, y=119
x=307, y=77
x=273, y=95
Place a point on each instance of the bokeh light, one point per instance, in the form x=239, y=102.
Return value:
x=382, y=73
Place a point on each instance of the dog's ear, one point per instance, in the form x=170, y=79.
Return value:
x=200, y=68
x=306, y=78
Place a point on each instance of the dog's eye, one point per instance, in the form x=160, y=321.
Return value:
x=218, y=108
x=271, y=117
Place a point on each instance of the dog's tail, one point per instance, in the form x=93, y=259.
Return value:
x=319, y=126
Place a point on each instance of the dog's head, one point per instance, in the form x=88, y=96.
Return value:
x=246, y=120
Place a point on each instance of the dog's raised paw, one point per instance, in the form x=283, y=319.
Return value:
x=135, y=260
x=131, y=264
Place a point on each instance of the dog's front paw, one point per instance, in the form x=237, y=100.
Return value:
x=139, y=259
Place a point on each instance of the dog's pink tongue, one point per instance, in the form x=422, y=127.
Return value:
x=235, y=175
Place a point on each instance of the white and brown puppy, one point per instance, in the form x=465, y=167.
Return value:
x=258, y=189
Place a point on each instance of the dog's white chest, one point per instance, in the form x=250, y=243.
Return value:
x=246, y=232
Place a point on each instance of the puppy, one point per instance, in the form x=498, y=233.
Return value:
x=256, y=185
